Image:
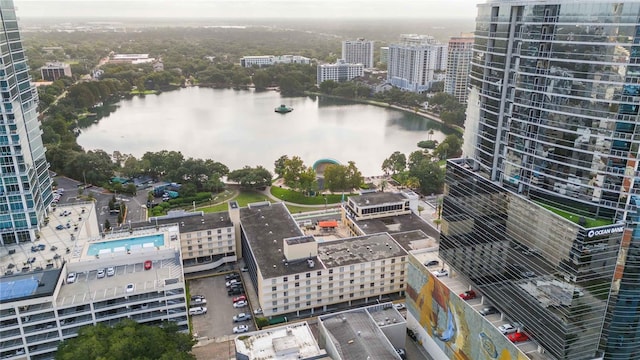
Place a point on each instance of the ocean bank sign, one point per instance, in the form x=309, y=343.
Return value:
x=602, y=232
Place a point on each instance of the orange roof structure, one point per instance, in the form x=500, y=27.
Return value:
x=328, y=224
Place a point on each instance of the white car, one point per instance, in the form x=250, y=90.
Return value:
x=111, y=271
x=231, y=282
x=240, y=329
x=241, y=317
x=198, y=301
x=400, y=306
x=240, y=304
x=129, y=288
x=71, y=278
x=199, y=310
x=100, y=274
x=440, y=273
x=507, y=329
x=257, y=311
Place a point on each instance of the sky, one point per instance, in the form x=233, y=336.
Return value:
x=193, y=9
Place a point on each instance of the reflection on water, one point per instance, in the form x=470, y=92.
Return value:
x=240, y=128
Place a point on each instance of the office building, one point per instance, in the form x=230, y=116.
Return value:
x=268, y=60
x=207, y=241
x=76, y=275
x=25, y=194
x=130, y=58
x=541, y=216
x=358, y=51
x=297, y=275
x=53, y=71
x=416, y=62
x=456, y=82
x=384, y=55
x=339, y=72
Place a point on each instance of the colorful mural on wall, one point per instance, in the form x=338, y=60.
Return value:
x=459, y=331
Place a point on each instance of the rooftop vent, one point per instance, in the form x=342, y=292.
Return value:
x=274, y=266
x=311, y=263
x=275, y=241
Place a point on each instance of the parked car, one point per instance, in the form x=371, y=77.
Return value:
x=199, y=310
x=432, y=263
x=244, y=269
x=440, y=273
x=231, y=276
x=240, y=304
x=60, y=227
x=71, y=278
x=507, y=329
x=195, y=297
x=101, y=273
x=111, y=271
x=129, y=288
x=468, y=295
x=412, y=335
x=399, y=306
x=231, y=282
x=232, y=292
x=240, y=329
x=402, y=353
x=489, y=310
x=241, y=317
x=518, y=337
x=239, y=298
x=148, y=264
x=199, y=301
x=257, y=311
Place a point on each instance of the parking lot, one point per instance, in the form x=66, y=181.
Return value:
x=218, y=321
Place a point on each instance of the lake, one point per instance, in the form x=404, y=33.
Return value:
x=240, y=128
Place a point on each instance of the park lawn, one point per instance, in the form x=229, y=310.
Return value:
x=244, y=197
x=300, y=198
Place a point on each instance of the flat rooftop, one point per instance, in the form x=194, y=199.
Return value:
x=377, y=198
x=356, y=336
x=266, y=226
x=295, y=340
x=67, y=226
x=190, y=221
x=398, y=224
x=28, y=285
x=358, y=250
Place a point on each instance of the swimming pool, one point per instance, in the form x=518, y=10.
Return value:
x=126, y=245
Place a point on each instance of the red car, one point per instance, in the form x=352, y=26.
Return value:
x=518, y=337
x=468, y=295
x=148, y=264
x=239, y=298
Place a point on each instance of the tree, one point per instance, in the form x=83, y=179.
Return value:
x=428, y=144
x=252, y=178
x=450, y=147
x=335, y=177
x=127, y=340
x=293, y=168
x=261, y=79
x=308, y=180
x=353, y=176
x=428, y=173
x=395, y=163
x=281, y=165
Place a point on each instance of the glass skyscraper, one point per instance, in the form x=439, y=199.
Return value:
x=541, y=214
x=25, y=192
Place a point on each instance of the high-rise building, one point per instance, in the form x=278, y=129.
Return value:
x=339, y=72
x=456, y=82
x=416, y=63
x=358, y=52
x=541, y=216
x=25, y=194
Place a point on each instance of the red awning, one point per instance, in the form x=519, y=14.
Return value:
x=328, y=224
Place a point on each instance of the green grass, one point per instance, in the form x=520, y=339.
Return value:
x=300, y=198
x=244, y=197
x=589, y=222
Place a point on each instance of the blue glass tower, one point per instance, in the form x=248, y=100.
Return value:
x=25, y=189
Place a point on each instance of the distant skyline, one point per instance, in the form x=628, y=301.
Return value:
x=250, y=9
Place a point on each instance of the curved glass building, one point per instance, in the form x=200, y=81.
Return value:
x=541, y=215
x=25, y=192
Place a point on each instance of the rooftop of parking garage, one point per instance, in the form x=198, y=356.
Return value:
x=267, y=344
x=54, y=245
x=397, y=224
